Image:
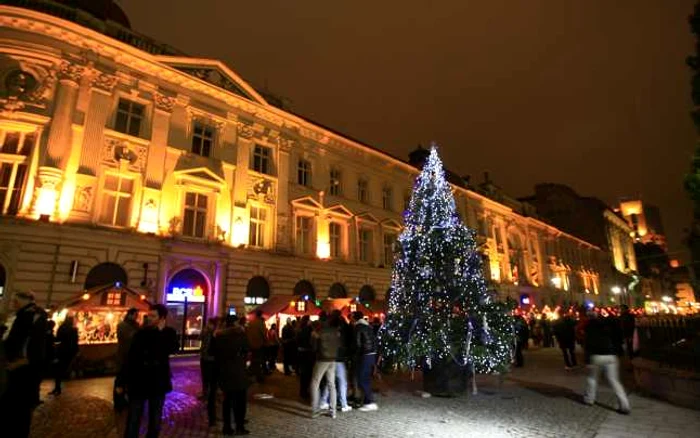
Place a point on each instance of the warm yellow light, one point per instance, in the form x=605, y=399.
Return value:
x=46, y=201
x=149, y=218
x=495, y=270
x=323, y=250
x=240, y=232
x=86, y=297
x=143, y=297
x=110, y=316
x=65, y=203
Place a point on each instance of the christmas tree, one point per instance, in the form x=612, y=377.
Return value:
x=439, y=307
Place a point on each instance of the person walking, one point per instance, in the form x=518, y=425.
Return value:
x=565, y=332
x=25, y=355
x=66, y=350
x=230, y=348
x=327, y=342
x=522, y=337
x=147, y=372
x=603, y=344
x=628, y=324
x=272, y=347
x=206, y=359
x=126, y=330
x=256, y=333
x=288, y=347
x=366, y=352
x=305, y=357
x=341, y=373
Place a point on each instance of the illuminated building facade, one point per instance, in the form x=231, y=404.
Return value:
x=125, y=161
x=645, y=221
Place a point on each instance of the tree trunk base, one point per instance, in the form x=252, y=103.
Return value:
x=446, y=379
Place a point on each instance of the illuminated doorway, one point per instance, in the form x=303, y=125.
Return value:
x=187, y=303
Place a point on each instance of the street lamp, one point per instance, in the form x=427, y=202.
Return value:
x=616, y=290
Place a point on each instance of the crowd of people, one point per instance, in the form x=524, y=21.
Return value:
x=334, y=360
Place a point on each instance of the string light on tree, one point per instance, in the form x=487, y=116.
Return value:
x=439, y=307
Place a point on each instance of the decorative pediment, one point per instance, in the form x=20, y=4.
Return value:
x=307, y=202
x=368, y=217
x=215, y=73
x=391, y=223
x=339, y=210
x=203, y=175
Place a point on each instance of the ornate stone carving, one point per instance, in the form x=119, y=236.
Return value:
x=163, y=102
x=261, y=189
x=245, y=130
x=215, y=77
x=116, y=150
x=22, y=88
x=104, y=81
x=83, y=199
x=69, y=71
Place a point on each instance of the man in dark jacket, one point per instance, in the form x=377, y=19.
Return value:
x=366, y=353
x=230, y=348
x=289, y=347
x=341, y=373
x=147, y=372
x=565, y=332
x=327, y=341
x=522, y=336
x=305, y=357
x=628, y=324
x=25, y=353
x=603, y=343
x=67, y=349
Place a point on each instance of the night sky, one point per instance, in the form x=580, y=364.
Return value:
x=594, y=94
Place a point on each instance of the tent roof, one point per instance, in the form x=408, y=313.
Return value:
x=133, y=298
x=282, y=304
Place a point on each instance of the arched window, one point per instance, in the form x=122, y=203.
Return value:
x=258, y=290
x=337, y=290
x=305, y=288
x=105, y=274
x=367, y=293
x=3, y=278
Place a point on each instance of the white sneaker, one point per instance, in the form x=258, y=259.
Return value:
x=346, y=409
x=369, y=407
x=324, y=406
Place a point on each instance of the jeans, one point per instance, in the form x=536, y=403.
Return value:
x=569, y=352
x=155, y=414
x=610, y=365
x=364, y=376
x=236, y=401
x=322, y=369
x=341, y=379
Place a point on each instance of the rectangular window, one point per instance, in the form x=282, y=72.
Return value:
x=262, y=159
x=365, y=245
x=362, y=190
x=116, y=201
x=335, y=235
x=13, y=171
x=202, y=139
x=130, y=117
x=303, y=234
x=336, y=186
x=195, y=216
x=304, y=173
x=258, y=219
x=387, y=195
x=389, y=243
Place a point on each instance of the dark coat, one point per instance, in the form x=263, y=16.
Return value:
x=230, y=348
x=603, y=337
x=125, y=334
x=27, y=337
x=67, y=338
x=565, y=332
x=365, y=342
x=329, y=342
x=147, y=367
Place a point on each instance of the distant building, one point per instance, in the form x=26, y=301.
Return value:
x=645, y=220
x=593, y=221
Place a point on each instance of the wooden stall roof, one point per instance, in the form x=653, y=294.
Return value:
x=95, y=298
x=282, y=304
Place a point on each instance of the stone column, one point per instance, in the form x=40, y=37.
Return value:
x=239, y=236
x=58, y=146
x=97, y=116
x=282, y=201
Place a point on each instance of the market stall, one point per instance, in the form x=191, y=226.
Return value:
x=370, y=309
x=97, y=312
x=278, y=309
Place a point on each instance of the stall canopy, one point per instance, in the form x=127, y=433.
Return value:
x=349, y=305
x=287, y=305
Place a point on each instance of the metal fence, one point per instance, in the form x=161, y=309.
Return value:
x=672, y=341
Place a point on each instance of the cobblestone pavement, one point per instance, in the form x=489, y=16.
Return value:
x=540, y=400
